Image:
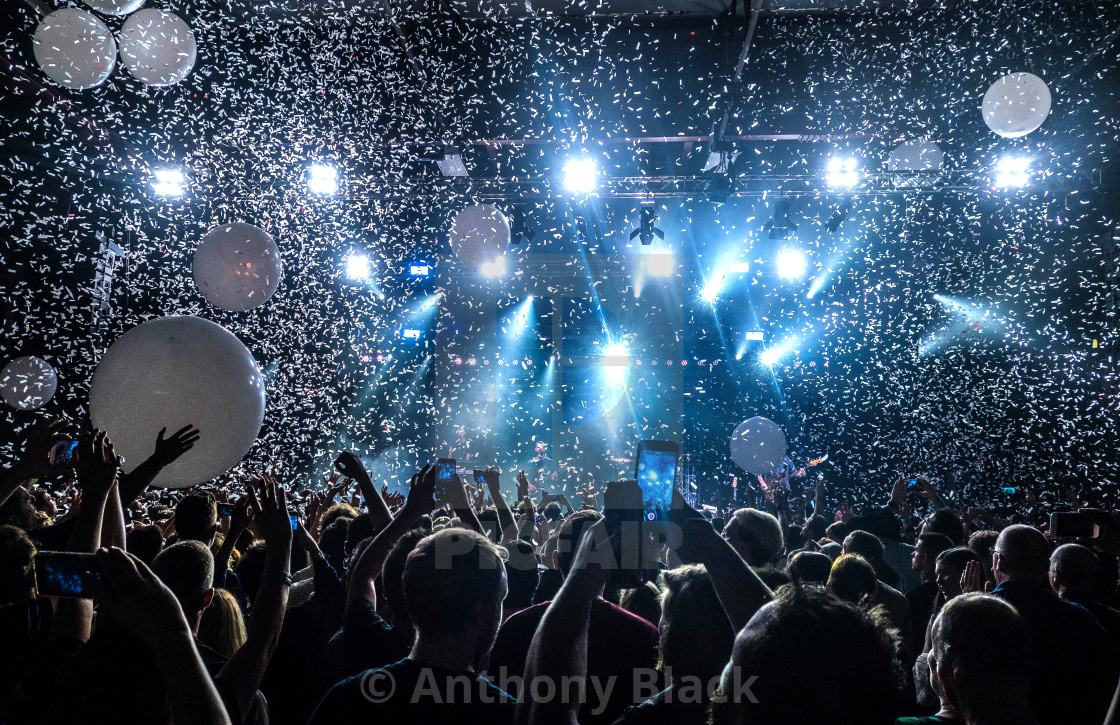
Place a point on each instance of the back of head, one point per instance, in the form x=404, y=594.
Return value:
x=360, y=529
x=836, y=531
x=810, y=567
x=16, y=556
x=332, y=542
x=981, y=654
x=222, y=627
x=337, y=511
x=756, y=535
x=196, y=518
x=569, y=536
x=1074, y=567
x=1022, y=553
x=982, y=542
x=187, y=568
x=145, y=542
x=816, y=527
x=522, y=576
x=856, y=677
x=392, y=579
x=552, y=512
x=933, y=544
x=944, y=521
x=866, y=545
x=852, y=579
x=696, y=636
x=449, y=578
x=251, y=567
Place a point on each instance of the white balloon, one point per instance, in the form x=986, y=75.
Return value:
x=916, y=155
x=758, y=446
x=114, y=7
x=1016, y=104
x=479, y=234
x=28, y=383
x=237, y=266
x=157, y=47
x=74, y=48
x=175, y=371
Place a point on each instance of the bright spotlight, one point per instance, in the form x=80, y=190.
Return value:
x=791, y=264
x=617, y=349
x=711, y=291
x=842, y=172
x=410, y=333
x=358, y=267
x=419, y=269
x=1013, y=172
x=169, y=182
x=493, y=268
x=771, y=355
x=660, y=265
x=581, y=176
x=322, y=179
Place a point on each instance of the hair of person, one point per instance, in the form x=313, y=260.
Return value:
x=332, y=542
x=946, y=521
x=696, y=636
x=145, y=542
x=570, y=534
x=251, y=567
x=18, y=510
x=17, y=555
x=1024, y=552
x=957, y=557
x=360, y=529
x=552, y=512
x=1076, y=567
x=772, y=576
x=761, y=533
x=791, y=534
x=836, y=531
x=817, y=526
x=810, y=567
x=866, y=545
x=982, y=542
x=448, y=576
x=989, y=644
x=852, y=578
x=488, y=517
x=196, y=516
x=933, y=544
x=222, y=627
x=718, y=523
x=857, y=676
x=187, y=568
x=643, y=601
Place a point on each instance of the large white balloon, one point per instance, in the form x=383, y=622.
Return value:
x=28, y=383
x=237, y=266
x=74, y=48
x=1016, y=104
x=157, y=47
x=114, y=7
x=479, y=234
x=758, y=446
x=175, y=371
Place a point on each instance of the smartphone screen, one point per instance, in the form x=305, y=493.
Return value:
x=225, y=509
x=656, y=474
x=66, y=574
x=912, y=484
x=445, y=474
x=1072, y=524
x=478, y=478
x=295, y=521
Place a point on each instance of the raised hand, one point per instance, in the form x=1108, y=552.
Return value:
x=242, y=516
x=350, y=465
x=97, y=467
x=973, y=579
x=272, y=509
x=169, y=449
x=35, y=461
x=421, y=492
x=522, y=486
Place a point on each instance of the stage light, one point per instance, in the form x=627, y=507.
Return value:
x=711, y=291
x=739, y=267
x=410, y=333
x=169, y=182
x=1013, y=172
x=771, y=355
x=450, y=162
x=581, y=176
x=780, y=225
x=754, y=335
x=358, y=267
x=660, y=265
x=419, y=269
x=493, y=268
x=616, y=349
x=838, y=216
x=842, y=172
x=322, y=179
x=791, y=264
x=646, y=231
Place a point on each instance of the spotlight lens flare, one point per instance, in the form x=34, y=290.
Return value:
x=660, y=265
x=1013, y=172
x=842, y=172
x=493, y=268
x=358, y=267
x=322, y=179
x=169, y=182
x=791, y=264
x=581, y=176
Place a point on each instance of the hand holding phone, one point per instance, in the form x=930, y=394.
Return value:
x=445, y=477
x=656, y=471
x=67, y=574
x=1073, y=525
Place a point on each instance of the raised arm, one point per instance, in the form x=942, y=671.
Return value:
x=506, y=522
x=34, y=462
x=457, y=497
x=244, y=671
x=350, y=465
x=167, y=452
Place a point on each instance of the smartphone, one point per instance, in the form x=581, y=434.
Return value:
x=622, y=516
x=445, y=474
x=62, y=454
x=66, y=574
x=225, y=509
x=1009, y=490
x=656, y=473
x=295, y=521
x=1071, y=524
x=478, y=477
x=912, y=484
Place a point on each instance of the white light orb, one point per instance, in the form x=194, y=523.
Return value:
x=237, y=266
x=480, y=235
x=1016, y=104
x=157, y=47
x=114, y=7
x=758, y=446
x=177, y=371
x=28, y=383
x=74, y=48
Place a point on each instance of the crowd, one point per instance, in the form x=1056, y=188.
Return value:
x=471, y=603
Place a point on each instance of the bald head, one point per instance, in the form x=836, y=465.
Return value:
x=1022, y=553
x=1073, y=570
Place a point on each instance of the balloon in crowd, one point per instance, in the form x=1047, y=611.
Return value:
x=758, y=446
x=480, y=234
x=75, y=49
x=172, y=372
x=157, y=47
x=114, y=7
x=237, y=266
x=1016, y=104
x=28, y=383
